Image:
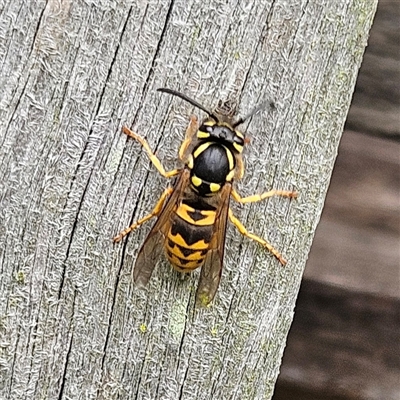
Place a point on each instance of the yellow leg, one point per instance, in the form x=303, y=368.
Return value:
x=258, y=197
x=263, y=242
x=154, y=213
x=239, y=168
x=153, y=158
x=190, y=132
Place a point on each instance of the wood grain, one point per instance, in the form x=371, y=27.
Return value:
x=73, y=73
x=344, y=341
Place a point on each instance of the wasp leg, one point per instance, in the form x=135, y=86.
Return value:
x=190, y=132
x=240, y=168
x=154, y=213
x=258, y=197
x=241, y=228
x=153, y=158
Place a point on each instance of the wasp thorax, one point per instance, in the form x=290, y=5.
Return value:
x=212, y=164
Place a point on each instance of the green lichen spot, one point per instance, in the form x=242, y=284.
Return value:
x=20, y=277
x=143, y=328
x=204, y=300
x=195, y=36
x=214, y=331
x=177, y=320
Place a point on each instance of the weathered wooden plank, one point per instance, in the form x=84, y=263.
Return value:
x=343, y=343
x=72, y=324
x=360, y=225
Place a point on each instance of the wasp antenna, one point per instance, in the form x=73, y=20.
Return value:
x=260, y=107
x=189, y=100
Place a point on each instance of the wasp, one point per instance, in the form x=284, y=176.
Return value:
x=192, y=215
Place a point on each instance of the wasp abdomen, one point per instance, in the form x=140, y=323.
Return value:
x=189, y=237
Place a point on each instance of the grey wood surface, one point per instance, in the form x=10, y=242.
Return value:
x=360, y=226
x=72, y=324
x=344, y=341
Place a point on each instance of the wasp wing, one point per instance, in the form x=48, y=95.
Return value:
x=153, y=245
x=212, y=268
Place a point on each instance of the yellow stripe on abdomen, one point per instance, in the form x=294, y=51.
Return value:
x=196, y=217
x=179, y=240
x=187, y=243
x=184, y=254
x=184, y=265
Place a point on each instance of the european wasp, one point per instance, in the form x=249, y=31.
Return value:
x=192, y=215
